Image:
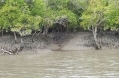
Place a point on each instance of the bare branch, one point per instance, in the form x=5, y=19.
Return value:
x=101, y=21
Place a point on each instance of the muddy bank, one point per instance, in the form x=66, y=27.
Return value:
x=7, y=43
x=85, y=40
x=60, y=41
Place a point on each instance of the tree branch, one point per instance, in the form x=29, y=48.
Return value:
x=101, y=21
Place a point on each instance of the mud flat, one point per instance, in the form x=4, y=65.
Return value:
x=61, y=41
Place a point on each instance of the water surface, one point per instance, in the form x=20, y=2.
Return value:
x=65, y=64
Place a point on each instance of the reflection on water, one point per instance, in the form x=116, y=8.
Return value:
x=67, y=64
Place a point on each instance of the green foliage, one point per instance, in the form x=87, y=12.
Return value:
x=113, y=15
x=37, y=8
x=11, y=14
x=77, y=6
x=56, y=4
x=104, y=11
x=59, y=8
x=94, y=14
x=16, y=15
x=35, y=20
x=71, y=17
x=2, y=4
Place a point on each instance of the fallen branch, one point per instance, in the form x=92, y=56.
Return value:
x=5, y=51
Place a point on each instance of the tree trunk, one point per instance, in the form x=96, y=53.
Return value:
x=21, y=40
x=97, y=45
x=15, y=37
x=45, y=31
x=33, y=35
x=2, y=33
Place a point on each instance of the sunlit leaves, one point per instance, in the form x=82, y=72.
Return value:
x=94, y=14
x=18, y=14
x=35, y=22
x=113, y=15
x=11, y=15
x=37, y=7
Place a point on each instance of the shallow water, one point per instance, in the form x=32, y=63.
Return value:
x=66, y=64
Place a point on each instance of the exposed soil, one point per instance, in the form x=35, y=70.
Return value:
x=60, y=41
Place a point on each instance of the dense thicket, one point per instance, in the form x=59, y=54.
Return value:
x=25, y=16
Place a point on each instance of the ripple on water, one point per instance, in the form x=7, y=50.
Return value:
x=85, y=64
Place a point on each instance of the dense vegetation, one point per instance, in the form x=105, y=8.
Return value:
x=27, y=16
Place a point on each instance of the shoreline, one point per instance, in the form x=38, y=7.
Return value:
x=63, y=42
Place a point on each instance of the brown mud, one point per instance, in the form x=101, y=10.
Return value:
x=60, y=41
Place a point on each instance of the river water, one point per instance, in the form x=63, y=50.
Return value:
x=61, y=64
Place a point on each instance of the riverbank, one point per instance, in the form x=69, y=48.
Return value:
x=61, y=41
